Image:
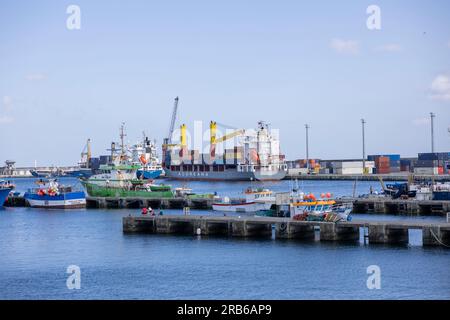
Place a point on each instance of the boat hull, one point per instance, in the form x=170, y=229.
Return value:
x=70, y=200
x=241, y=207
x=227, y=175
x=4, y=192
x=95, y=190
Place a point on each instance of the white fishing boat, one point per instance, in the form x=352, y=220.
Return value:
x=255, y=200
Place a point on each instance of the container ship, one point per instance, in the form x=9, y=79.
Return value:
x=257, y=158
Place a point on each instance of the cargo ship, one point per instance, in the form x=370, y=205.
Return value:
x=145, y=155
x=257, y=158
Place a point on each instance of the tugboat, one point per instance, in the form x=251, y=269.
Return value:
x=50, y=194
x=5, y=189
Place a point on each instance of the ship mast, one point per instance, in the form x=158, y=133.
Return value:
x=122, y=136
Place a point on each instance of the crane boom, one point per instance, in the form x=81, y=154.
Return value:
x=172, y=121
x=229, y=136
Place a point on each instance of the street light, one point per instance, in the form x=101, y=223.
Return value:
x=432, y=115
x=307, y=147
x=363, y=122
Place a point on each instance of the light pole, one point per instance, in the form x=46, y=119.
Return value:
x=363, y=123
x=432, y=115
x=307, y=147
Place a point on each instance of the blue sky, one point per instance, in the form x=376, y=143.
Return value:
x=236, y=62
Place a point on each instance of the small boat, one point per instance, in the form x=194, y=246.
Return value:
x=5, y=190
x=324, y=209
x=50, y=194
x=254, y=201
x=239, y=205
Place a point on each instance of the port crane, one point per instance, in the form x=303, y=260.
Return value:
x=86, y=154
x=168, y=140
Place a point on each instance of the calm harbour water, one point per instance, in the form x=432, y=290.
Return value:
x=37, y=246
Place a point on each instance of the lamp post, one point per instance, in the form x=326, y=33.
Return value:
x=307, y=146
x=363, y=123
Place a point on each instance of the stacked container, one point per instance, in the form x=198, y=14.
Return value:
x=405, y=165
x=432, y=163
x=382, y=164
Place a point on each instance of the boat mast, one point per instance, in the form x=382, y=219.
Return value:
x=122, y=144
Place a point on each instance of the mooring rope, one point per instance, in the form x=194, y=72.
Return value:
x=437, y=239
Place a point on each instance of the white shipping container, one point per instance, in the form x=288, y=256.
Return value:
x=352, y=164
x=344, y=171
x=297, y=171
x=426, y=170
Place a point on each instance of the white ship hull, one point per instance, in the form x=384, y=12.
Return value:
x=57, y=204
x=241, y=207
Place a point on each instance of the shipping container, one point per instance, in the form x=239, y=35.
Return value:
x=394, y=169
x=426, y=163
x=426, y=170
x=405, y=162
x=391, y=157
x=434, y=156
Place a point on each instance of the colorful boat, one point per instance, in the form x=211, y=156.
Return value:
x=54, y=196
x=325, y=209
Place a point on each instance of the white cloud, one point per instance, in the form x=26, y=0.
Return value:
x=35, y=77
x=390, y=47
x=421, y=121
x=6, y=119
x=440, y=88
x=344, y=46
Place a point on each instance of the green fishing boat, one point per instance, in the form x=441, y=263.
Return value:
x=133, y=191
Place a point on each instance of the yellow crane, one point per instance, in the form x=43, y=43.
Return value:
x=183, y=139
x=214, y=140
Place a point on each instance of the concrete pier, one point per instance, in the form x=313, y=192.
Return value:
x=392, y=232
x=398, y=206
x=388, y=234
x=136, y=203
x=295, y=230
x=339, y=232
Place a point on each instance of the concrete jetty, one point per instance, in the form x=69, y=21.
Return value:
x=377, y=232
x=399, y=206
x=134, y=203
